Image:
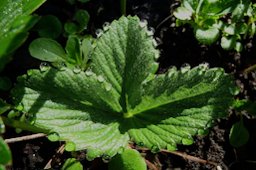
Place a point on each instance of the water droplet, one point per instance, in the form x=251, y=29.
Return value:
x=100, y=78
x=44, y=67
x=53, y=137
x=155, y=149
x=155, y=44
x=106, y=26
x=106, y=158
x=171, y=147
x=108, y=87
x=185, y=68
x=88, y=73
x=99, y=32
x=143, y=23
x=172, y=71
x=77, y=70
x=187, y=141
x=141, y=144
x=70, y=146
x=150, y=31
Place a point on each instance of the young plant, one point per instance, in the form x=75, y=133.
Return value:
x=232, y=20
x=120, y=98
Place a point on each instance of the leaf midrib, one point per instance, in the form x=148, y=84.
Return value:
x=168, y=102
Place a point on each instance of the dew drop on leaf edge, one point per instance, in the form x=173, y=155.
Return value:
x=100, y=78
x=44, y=67
x=106, y=158
x=77, y=70
x=99, y=32
x=108, y=87
x=106, y=26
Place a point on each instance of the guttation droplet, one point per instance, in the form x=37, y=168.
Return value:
x=100, y=78
x=88, y=73
x=98, y=32
x=43, y=67
x=106, y=158
x=108, y=87
x=77, y=70
x=106, y=26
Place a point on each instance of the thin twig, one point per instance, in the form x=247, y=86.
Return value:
x=185, y=156
x=250, y=69
x=150, y=165
x=190, y=157
x=59, y=151
x=24, y=138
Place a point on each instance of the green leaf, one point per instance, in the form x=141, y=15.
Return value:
x=130, y=159
x=120, y=99
x=238, y=135
x=5, y=154
x=70, y=27
x=82, y=17
x=73, y=49
x=49, y=26
x=228, y=43
x=72, y=164
x=15, y=21
x=207, y=36
x=182, y=13
x=230, y=29
x=47, y=50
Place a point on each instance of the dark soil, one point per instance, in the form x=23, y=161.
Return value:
x=178, y=47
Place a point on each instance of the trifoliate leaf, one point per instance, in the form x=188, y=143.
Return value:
x=130, y=159
x=207, y=36
x=120, y=99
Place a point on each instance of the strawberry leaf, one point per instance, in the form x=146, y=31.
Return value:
x=120, y=99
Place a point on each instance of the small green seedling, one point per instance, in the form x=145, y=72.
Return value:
x=76, y=54
x=230, y=20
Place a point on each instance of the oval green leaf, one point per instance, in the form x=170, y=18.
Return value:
x=47, y=50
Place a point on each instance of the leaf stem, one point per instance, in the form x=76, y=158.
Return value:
x=22, y=125
x=123, y=7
